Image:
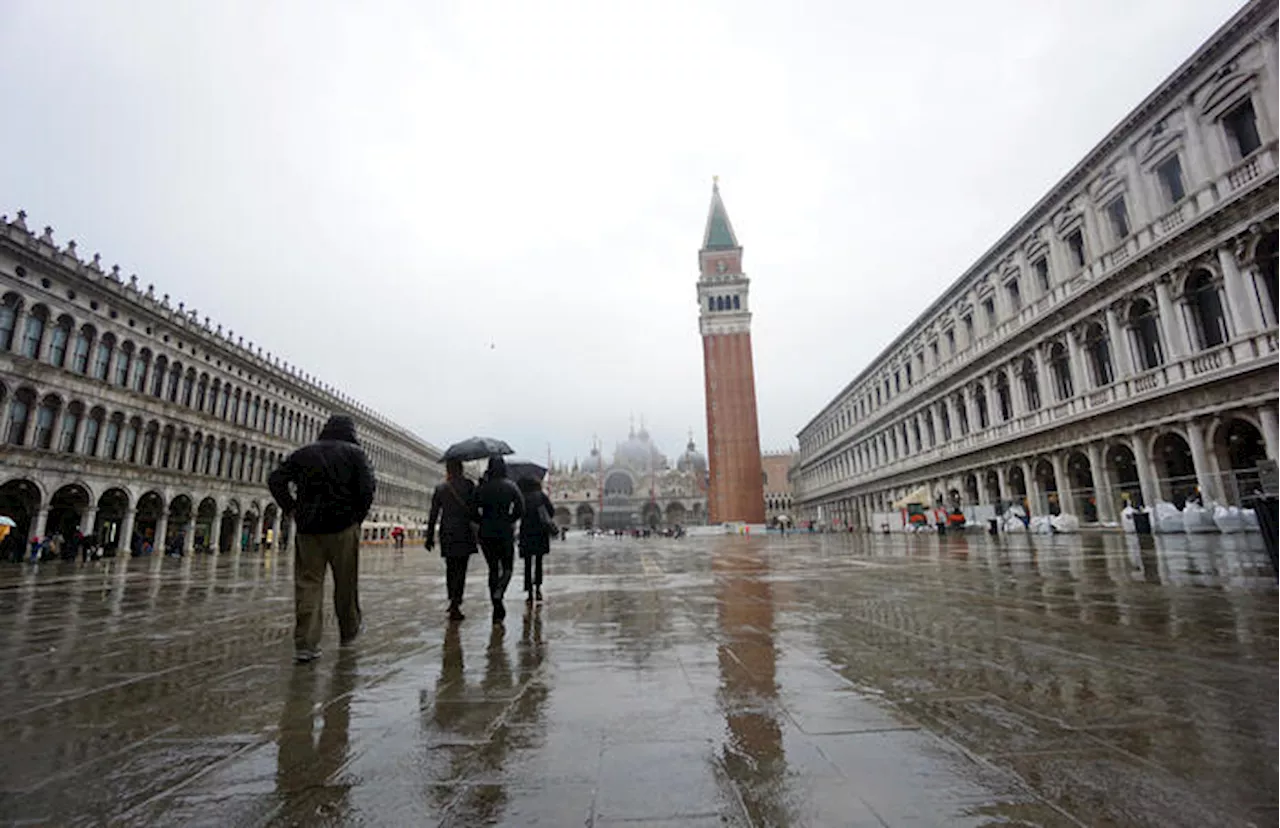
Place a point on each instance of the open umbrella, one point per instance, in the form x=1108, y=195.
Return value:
x=476, y=448
x=518, y=469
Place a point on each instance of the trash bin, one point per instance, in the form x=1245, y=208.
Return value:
x=993, y=527
x=1268, y=511
x=1142, y=523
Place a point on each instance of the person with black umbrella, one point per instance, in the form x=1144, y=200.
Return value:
x=536, y=530
x=453, y=506
x=501, y=506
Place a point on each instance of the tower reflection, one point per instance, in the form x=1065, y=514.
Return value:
x=753, y=754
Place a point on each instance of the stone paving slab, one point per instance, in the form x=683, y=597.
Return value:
x=803, y=681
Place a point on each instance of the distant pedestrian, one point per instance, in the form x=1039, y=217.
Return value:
x=537, y=527
x=500, y=506
x=332, y=489
x=453, y=508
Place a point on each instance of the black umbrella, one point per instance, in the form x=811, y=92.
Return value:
x=518, y=469
x=476, y=448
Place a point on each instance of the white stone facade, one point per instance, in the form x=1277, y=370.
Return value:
x=1118, y=343
x=128, y=417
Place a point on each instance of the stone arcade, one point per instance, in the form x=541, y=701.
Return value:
x=1118, y=342
x=129, y=417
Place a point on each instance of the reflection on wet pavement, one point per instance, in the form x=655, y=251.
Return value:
x=811, y=680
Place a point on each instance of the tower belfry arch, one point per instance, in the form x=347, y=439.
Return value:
x=735, y=485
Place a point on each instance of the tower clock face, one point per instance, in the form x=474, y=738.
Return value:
x=720, y=266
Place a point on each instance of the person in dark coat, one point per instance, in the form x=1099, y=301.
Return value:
x=453, y=507
x=327, y=488
x=536, y=528
x=501, y=506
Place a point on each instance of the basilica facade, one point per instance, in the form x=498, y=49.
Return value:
x=636, y=487
x=135, y=419
x=1118, y=344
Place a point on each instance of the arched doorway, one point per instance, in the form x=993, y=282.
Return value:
x=206, y=515
x=146, y=522
x=651, y=515
x=1239, y=448
x=563, y=517
x=1177, y=470
x=1017, y=486
x=971, y=493
x=991, y=485
x=269, y=530
x=19, y=501
x=248, y=540
x=66, y=510
x=676, y=513
x=1122, y=471
x=180, y=513
x=697, y=514
x=286, y=532
x=1048, y=483
x=586, y=516
x=111, y=510
x=1084, y=501
x=228, y=534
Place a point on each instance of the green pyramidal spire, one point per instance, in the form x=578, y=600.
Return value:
x=719, y=234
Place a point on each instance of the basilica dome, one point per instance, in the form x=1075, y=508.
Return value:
x=639, y=453
x=692, y=460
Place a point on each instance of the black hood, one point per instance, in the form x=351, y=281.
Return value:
x=340, y=427
x=497, y=467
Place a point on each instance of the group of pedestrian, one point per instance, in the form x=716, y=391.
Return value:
x=327, y=488
x=56, y=547
x=487, y=515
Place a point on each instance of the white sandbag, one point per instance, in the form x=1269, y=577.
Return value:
x=1250, y=520
x=1041, y=525
x=1066, y=524
x=1014, y=525
x=1228, y=519
x=1198, y=520
x=1166, y=519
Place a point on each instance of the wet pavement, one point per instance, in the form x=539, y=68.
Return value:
x=721, y=681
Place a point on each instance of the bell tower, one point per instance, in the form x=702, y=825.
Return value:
x=736, y=490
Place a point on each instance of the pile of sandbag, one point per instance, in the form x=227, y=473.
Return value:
x=1197, y=519
x=1065, y=524
x=1166, y=519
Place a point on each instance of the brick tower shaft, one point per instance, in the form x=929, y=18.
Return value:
x=736, y=485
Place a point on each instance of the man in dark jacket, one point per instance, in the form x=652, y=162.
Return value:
x=453, y=505
x=327, y=488
x=500, y=506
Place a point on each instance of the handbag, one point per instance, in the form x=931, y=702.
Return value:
x=475, y=527
x=548, y=522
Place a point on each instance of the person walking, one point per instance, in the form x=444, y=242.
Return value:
x=453, y=506
x=500, y=506
x=536, y=529
x=327, y=488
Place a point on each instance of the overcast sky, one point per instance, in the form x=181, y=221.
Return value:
x=483, y=217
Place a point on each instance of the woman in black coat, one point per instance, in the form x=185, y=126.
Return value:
x=536, y=528
x=453, y=504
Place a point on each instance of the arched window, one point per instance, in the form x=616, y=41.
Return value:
x=158, y=377
x=736, y=302
x=92, y=430
x=140, y=365
x=102, y=358
x=1146, y=334
x=711, y=303
x=188, y=387
x=8, y=318
x=19, y=412
x=1003, y=399
x=149, y=439
x=1205, y=305
x=111, y=438
x=928, y=428
x=46, y=416
x=1031, y=384
x=235, y=407
x=1099, y=352
x=1268, y=260
x=33, y=333
x=70, y=422
x=129, y=448
x=1060, y=365
x=58, y=340
x=80, y=353
x=208, y=456
x=980, y=400
x=123, y=361
x=962, y=414
x=226, y=400
x=254, y=412
x=166, y=447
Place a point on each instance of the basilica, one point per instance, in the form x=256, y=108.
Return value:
x=637, y=486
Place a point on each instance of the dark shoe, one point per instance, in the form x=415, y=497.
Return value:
x=351, y=639
x=499, y=612
x=305, y=656
x=529, y=598
x=455, y=614
x=538, y=595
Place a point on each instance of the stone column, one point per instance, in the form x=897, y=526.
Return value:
x=189, y=533
x=1041, y=376
x=949, y=403
x=29, y=433
x=971, y=403
x=1120, y=359
x=1065, y=503
x=1175, y=331
x=1002, y=485
x=1075, y=362
x=77, y=436
x=87, y=519
x=41, y=523
x=1101, y=483
x=162, y=526
x=124, y=540
x=215, y=531
x=1033, y=488
x=1017, y=401
x=1244, y=309
x=1200, y=459
x=1270, y=430
x=1146, y=475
